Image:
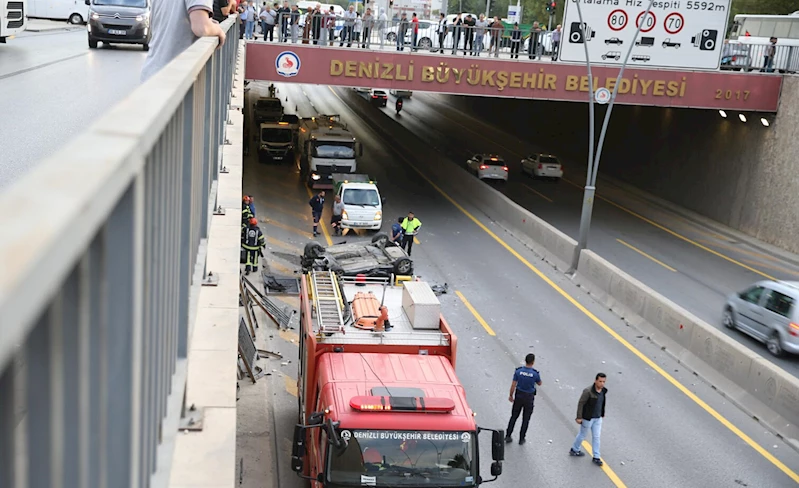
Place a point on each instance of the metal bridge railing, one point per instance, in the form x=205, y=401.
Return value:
x=102, y=252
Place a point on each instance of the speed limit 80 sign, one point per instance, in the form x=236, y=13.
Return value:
x=671, y=34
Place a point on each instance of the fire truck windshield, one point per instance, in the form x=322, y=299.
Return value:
x=404, y=458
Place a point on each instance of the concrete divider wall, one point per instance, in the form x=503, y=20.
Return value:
x=742, y=375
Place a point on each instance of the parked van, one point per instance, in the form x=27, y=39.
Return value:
x=119, y=22
x=73, y=11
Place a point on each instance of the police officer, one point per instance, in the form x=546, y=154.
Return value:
x=410, y=227
x=317, y=204
x=522, y=395
x=253, y=242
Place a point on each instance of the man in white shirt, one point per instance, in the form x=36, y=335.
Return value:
x=176, y=24
x=349, y=24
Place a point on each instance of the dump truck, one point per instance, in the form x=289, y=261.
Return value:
x=326, y=146
x=380, y=403
x=363, y=205
x=278, y=139
x=267, y=109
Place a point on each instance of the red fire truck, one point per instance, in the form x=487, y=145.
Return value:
x=380, y=403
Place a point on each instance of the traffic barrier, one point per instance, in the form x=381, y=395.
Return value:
x=762, y=389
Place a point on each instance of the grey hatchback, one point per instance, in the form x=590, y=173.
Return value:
x=767, y=311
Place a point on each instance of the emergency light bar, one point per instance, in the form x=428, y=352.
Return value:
x=401, y=404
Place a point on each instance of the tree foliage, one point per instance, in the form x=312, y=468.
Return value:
x=763, y=7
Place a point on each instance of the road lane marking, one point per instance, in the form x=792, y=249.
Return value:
x=289, y=336
x=416, y=240
x=475, y=313
x=321, y=222
x=710, y=410
x=289, y=228
x=674, y=382
x=682, y=237
x=276, y=266
x=291, y=385
x=605, y=468
x=642, y=253
x=742, y=251
x=284, y=245
x=770, y=266
x=537, y=192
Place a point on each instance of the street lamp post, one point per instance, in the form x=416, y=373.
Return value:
x=593, y=162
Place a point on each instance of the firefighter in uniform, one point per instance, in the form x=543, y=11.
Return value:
x=246, y=211
x=252, y=242
x=522, y=395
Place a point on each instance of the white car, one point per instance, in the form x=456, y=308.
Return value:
x=401, y=93
x=488, y=167
x=542, y=166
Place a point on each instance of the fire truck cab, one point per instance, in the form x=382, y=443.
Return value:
x=380, y=403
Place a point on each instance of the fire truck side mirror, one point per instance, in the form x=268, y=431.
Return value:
x=497, y=448
x=298, y=449
x=496, y=468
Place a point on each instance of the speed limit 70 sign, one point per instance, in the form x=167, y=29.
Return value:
x=670, y=34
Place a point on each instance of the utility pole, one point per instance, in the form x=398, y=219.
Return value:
x=593, y=163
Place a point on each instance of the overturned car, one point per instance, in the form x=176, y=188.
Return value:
x=378, y=258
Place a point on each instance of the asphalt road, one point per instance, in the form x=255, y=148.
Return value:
x=662, y=428
x=684, y=260
x=55, y=87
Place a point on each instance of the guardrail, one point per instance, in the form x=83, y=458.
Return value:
x=738, y=56
x=496, y=39
x=103, y=253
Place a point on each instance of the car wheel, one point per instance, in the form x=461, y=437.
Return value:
x=728, y=319
x=75, y=19
x=313, y=250
x=380, y=240
x=425, y=43
x=403, y=267
x=145, y=47
x=774, y=344
x=391, y=37
x=92, y=43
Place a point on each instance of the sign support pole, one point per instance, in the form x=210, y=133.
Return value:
x=593, y=164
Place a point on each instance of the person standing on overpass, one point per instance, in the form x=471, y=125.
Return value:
x=175, y=26
x=317, y=203
x=590, y=412
x=410, y=227
x=522, y=395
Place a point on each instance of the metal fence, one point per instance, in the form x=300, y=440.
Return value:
x=737, y=56
x=102, y=253
x=500, y=40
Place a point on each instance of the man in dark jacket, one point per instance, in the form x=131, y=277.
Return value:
x=590, y=412
x=317, y=203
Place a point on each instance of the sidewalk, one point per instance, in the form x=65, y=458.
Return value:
x=41, y=25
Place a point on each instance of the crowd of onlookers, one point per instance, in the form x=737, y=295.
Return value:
x=323, y=25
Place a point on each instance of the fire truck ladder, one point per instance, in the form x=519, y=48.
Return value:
x=328, y=302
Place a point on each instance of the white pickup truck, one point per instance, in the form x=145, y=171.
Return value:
x=363, y=206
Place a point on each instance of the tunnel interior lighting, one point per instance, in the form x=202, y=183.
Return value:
x=742, y=117
x=723, y=113
x=764, y=121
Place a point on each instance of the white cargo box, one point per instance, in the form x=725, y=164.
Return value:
x=421, y=305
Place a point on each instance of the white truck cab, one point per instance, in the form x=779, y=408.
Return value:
x=363, y=205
